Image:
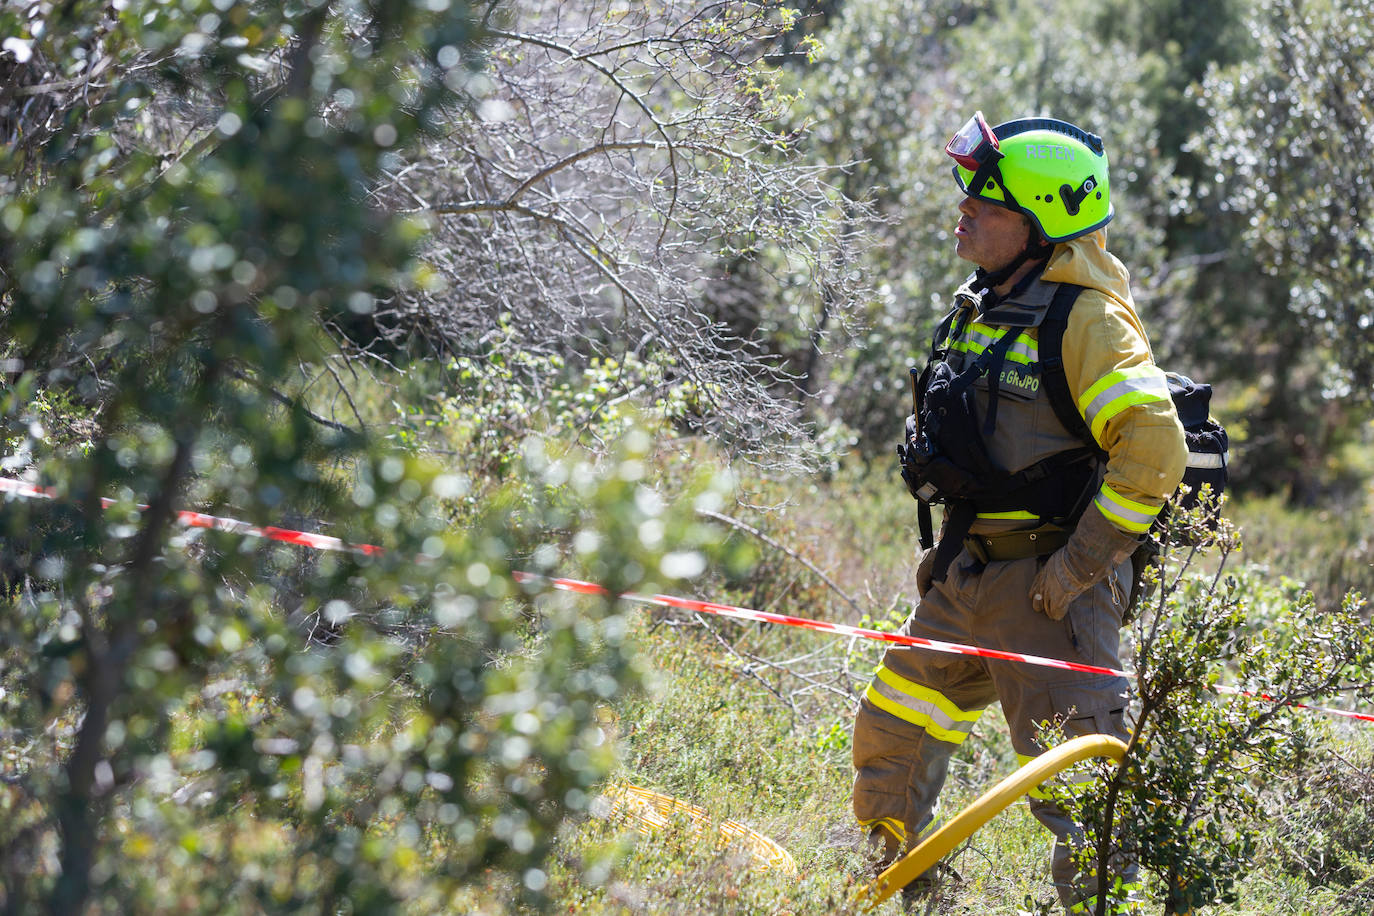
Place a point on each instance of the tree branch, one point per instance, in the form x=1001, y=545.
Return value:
x=736, y=523
x=292, y=402
x=626, y=92
x=510, y=201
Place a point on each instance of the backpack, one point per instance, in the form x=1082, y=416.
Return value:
x=1206, y=438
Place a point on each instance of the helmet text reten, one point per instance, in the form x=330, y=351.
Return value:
x=1049, y=151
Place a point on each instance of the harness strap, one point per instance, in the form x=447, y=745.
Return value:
x=995, y=356
x=938, y=345
x=1052, y=376
x=958, y=521
x=1029, y=480
x=923, y=518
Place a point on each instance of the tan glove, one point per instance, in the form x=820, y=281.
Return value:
x=1095, y=548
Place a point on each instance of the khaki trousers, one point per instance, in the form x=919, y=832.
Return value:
x=922, y=704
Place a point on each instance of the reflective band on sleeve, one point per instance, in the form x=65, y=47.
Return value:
x=979, y=337
x=1116, y=391
x=921, y=706
x=1207, y=460
x=1125, y=513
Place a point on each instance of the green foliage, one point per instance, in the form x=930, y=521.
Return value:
x=1186, y=801
x=1278, y=191
x=442, y=722
x=486, y=410
x=200, y=204
x=1183, y=40
x=209, y=724
x=1288, y=127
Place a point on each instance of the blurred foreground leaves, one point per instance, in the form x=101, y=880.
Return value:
x=194, y=721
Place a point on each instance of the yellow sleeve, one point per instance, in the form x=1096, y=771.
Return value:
x=1124, y=398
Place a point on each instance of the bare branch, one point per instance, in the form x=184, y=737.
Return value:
x=736, y=523
x=626, y=92
x=617, y=187
x=292, y=403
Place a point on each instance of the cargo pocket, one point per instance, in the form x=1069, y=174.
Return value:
x=1094, y=618
x=1082, y=706
x=1091, y=705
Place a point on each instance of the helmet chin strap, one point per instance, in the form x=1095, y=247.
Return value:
x=1033, y=251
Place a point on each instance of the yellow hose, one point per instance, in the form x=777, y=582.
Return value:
x=936, y=846
x=653, y=811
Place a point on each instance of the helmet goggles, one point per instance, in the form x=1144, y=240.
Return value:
x=973, y=143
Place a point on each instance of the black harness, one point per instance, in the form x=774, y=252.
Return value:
x=945, y=459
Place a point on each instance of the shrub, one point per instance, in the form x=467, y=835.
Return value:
x=1186, y=800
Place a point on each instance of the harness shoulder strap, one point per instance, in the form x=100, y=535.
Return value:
x=926, y=537
x=1052, y=376
x=995, y=356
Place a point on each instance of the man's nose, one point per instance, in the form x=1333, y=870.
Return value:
x=968, y=206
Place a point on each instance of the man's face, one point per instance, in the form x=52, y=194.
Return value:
x=989, y=235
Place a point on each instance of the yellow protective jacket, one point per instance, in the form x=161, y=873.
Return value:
x=1121, y=394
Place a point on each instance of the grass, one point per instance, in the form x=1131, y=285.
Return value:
x=751, y=724
x=1330, y=552
x=718, y=739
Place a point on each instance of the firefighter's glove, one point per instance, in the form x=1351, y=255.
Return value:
x=1093, y=552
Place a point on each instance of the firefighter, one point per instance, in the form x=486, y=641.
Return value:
x=1039, y=527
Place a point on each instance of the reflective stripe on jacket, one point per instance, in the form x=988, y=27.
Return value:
x=1110, y=371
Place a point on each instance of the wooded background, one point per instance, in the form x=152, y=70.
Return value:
x=453, y=278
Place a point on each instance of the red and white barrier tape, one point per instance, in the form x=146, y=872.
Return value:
x=743, y=613
x=935, y=645
x=1345, y=713
x=324, y=542
x=233, y=525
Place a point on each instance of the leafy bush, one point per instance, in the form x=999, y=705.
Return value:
x=199, y=722
x=449, y=727
x=1185, y=802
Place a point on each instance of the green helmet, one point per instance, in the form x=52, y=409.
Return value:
x=1050, y=170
